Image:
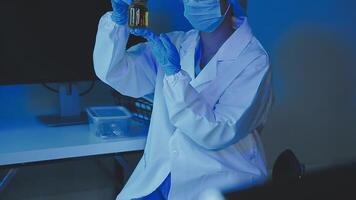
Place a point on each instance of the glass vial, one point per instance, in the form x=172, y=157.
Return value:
x=138, y=14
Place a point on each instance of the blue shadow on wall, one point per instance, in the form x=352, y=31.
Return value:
x=277, y=22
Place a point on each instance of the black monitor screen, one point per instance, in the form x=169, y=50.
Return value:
x=47, y=40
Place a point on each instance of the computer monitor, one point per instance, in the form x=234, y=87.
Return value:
x=48, y=41
x=44, y=41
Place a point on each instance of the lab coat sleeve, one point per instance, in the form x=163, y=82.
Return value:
x=239, y=111
x=132, y=72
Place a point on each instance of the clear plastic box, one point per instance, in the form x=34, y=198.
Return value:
x=108, y=121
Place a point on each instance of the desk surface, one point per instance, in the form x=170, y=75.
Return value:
x=25, y=140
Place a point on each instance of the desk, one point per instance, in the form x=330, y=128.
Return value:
x=26, y=140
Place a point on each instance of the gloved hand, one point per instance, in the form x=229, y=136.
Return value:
x=163, y=50
x=144, y=32
x=120, y=12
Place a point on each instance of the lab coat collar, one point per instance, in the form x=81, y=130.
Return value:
x=236, y=43
x=229, y=51
x=188, y=48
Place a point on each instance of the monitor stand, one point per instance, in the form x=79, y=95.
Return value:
x=69, y=104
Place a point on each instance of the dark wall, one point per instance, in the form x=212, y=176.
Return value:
x=312, y=49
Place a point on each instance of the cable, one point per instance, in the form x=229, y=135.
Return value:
x=81, y=94
x=89, y=89
x=49, y=88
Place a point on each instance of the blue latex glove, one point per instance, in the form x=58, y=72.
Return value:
x=144, y=32
x=163, y=50
x=120, y=12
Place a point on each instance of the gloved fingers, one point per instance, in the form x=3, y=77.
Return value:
x=152, y=37
x=171, y=50
x=158, y=51
x=144, y=32
x=127, y=2
x=138, y=32
x=118, y=3
x=158, y=48
x=119, y=14
x=119, y=6
x=166, y=41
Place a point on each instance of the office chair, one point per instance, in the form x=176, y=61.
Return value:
x=287, y=168
x=287, y=173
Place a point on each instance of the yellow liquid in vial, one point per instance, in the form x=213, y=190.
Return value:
x=138, y=16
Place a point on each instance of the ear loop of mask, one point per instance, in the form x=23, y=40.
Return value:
x=227, y=10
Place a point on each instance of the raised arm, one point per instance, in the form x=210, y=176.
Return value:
x=132, y=72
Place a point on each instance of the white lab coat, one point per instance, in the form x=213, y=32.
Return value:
x=203, y=130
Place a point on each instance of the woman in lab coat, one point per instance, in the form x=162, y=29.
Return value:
x=212, y=89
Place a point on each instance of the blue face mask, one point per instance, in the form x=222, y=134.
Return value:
x=204, y=15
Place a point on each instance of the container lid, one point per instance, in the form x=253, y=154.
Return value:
x=108, y=112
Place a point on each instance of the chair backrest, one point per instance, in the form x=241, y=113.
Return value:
x=287, y=168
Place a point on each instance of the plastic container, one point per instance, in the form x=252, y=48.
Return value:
x=108, y=121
